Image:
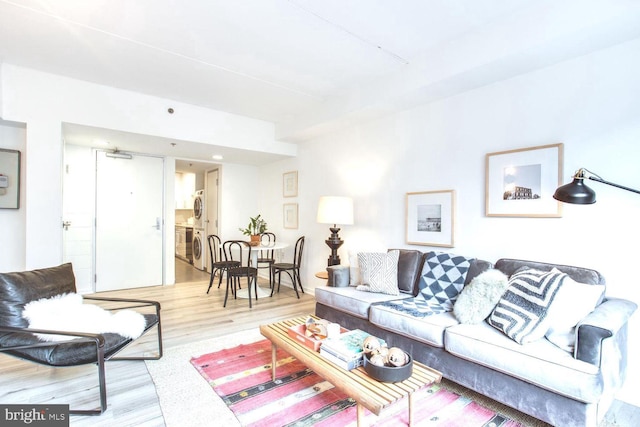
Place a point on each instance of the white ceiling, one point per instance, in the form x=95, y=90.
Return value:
x=308, y=66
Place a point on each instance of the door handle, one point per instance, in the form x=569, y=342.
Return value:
x=66, y=225
x=157, y=225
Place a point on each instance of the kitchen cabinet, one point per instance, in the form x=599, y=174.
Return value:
x=185, y=188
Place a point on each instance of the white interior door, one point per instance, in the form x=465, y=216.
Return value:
x=129, y=222
x=211, y=221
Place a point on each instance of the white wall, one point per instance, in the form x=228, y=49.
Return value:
x=44, y=101
x=590, y=104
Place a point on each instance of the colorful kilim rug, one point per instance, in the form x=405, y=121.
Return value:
x=241, y=376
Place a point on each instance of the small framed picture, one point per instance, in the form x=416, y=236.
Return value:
x=431, y=218
x=521, y=183
x=290, y=184
x=9, y=179
x=290, y=215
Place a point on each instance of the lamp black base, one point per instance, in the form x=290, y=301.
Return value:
x=334, y=242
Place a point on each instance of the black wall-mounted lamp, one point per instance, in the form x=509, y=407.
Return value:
x=577, y=192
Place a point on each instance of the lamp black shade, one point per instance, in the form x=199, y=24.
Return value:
x=576, y=192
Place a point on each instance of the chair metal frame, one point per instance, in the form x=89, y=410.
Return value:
x=292, y=269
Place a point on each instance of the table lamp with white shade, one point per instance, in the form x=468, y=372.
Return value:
x=335, y=210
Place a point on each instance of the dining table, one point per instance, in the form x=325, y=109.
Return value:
x=255, y=252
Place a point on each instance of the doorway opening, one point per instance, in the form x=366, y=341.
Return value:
x=197, y=210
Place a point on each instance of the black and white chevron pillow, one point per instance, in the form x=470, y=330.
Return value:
x=522, y=311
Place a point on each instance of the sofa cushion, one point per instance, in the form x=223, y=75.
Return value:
x=583, y=275
x=350, y=300
x=540, y=362
x=477, y=267
x=478, y=299
x=410, y=263
x=443, y=277
x=20, y=288
x=428, y=329
x=379, y=272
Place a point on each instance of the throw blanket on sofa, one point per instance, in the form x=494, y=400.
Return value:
x=442, y=278
x=416, y=306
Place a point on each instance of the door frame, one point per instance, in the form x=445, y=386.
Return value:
x=208, y=191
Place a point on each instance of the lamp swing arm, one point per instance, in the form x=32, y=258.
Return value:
x=583, y=173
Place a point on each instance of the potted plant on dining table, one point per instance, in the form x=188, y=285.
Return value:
x=255, y=228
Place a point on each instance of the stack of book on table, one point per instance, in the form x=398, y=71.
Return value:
x=345, y=350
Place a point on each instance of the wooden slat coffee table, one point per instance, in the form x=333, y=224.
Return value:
x=366, y=391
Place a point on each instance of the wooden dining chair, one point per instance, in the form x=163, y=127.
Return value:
x=292, y=269
x=219, y=264
x=239, y=250
x=266, y=257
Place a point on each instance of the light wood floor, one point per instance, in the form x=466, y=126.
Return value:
x=188, y=315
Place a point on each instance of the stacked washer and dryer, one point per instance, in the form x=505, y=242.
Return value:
x=199, y=242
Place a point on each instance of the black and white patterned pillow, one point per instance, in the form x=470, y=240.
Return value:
x=443, y=277
x=522, y=311
x=379, y=272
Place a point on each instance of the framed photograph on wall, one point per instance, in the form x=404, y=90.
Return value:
x=290, y=184
x=521, y=183
x=431, y=218
x=290, y=215
x=9, y=179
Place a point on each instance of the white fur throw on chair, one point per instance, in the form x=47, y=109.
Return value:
x=67, y=313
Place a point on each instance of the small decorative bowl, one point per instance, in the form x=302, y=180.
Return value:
x=389, y=374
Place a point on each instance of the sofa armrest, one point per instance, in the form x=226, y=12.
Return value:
x=608, y=320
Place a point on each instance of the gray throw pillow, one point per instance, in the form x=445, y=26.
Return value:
x=478, y=299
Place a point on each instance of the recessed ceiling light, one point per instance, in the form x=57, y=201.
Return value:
x=217, y=157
